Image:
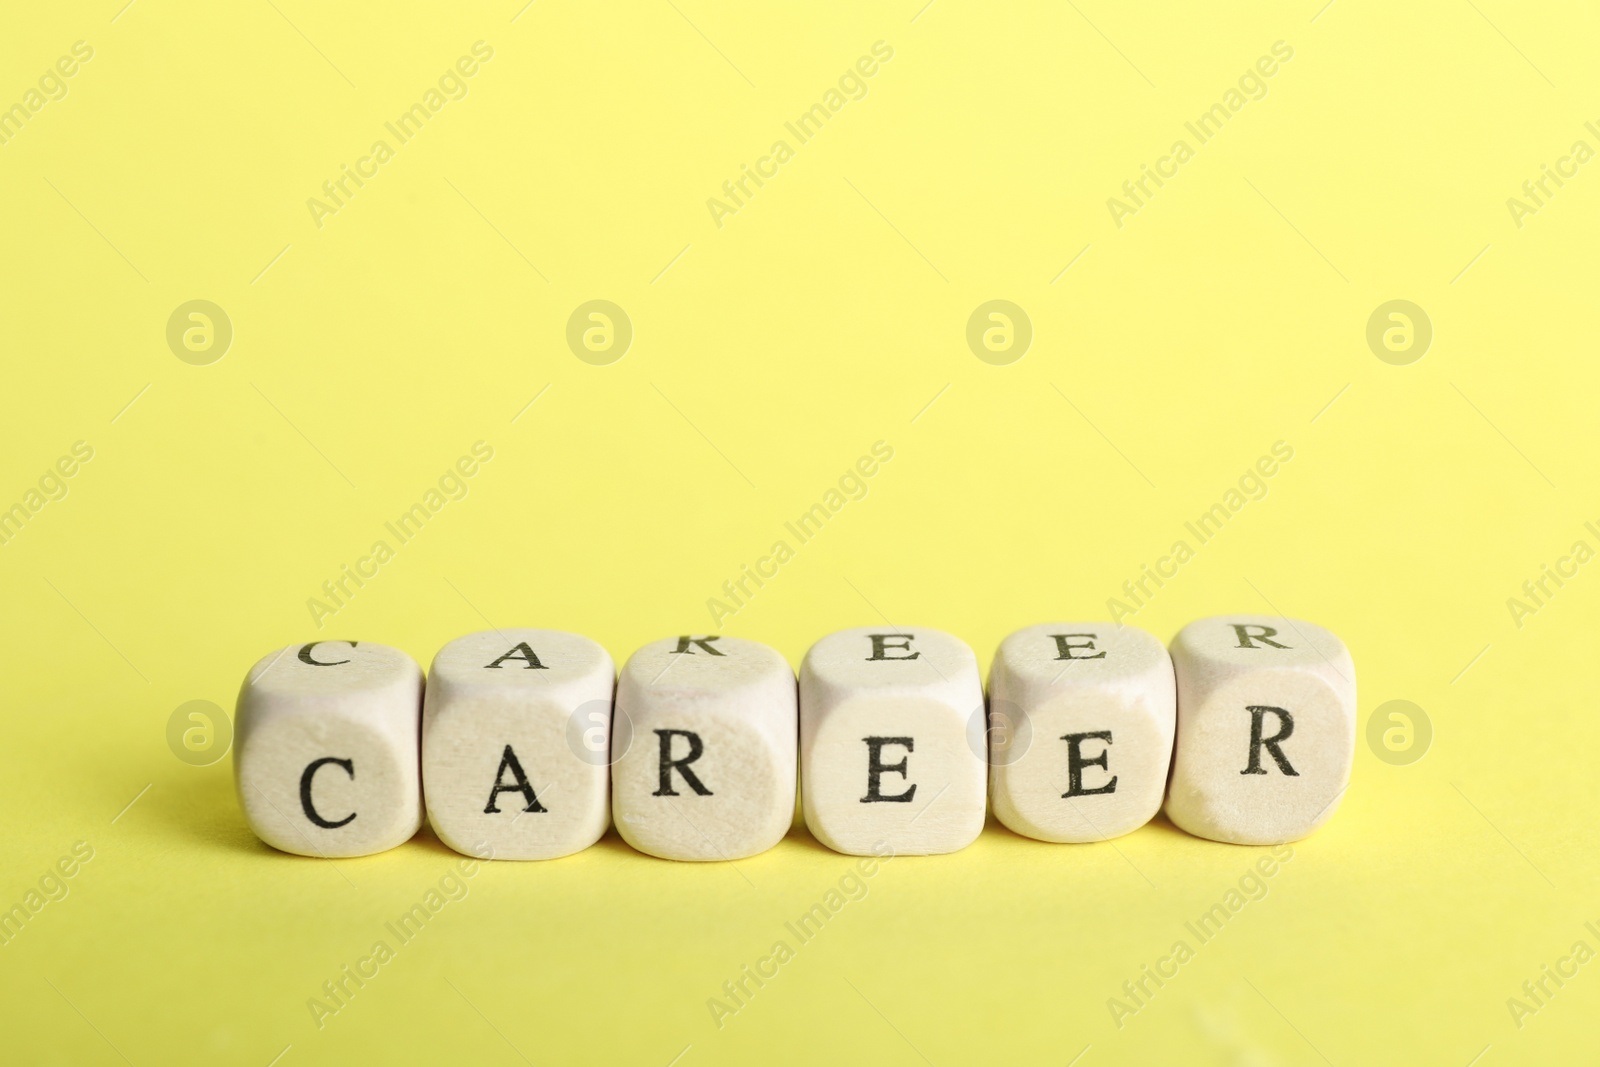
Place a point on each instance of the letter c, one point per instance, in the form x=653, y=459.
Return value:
x=1565, y=173
x=363, y=571
x=1563, y=571
x=305, y=789
x=763, y=171
x=1165, y=173
x=363, y=170
x=761, y=570
x=305, y=655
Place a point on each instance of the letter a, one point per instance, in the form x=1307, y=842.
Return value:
x=523, y=654
x=519, y=784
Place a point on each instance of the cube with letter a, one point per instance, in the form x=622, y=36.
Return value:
x=516, y=731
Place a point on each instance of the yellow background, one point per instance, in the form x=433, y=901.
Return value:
x=768, y=355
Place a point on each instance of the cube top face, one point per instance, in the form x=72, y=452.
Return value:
x=701, y=666
x=884, y=660
x=1064, y=656
x=1083, y=716
x=521, y=661
x=1227, y=642
x=321, y=670
x=1266, y=734
x=706, y=727
x=326, y=758
x=891, y=741
x=516, y=743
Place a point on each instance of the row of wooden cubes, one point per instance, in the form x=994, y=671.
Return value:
x=527, y=744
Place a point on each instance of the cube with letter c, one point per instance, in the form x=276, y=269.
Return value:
x=327, y=743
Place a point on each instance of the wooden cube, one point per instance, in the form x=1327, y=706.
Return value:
x=710, y=771
x=1082, y=716
x=1266, y=728
x=516, y=730
x=326, y=754
x=891, y=741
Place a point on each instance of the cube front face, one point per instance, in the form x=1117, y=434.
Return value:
x=708, y=768
x=1266, y=728
x=326, y=757
x=1083, y=716
x=516, y=736
x=891, y=741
